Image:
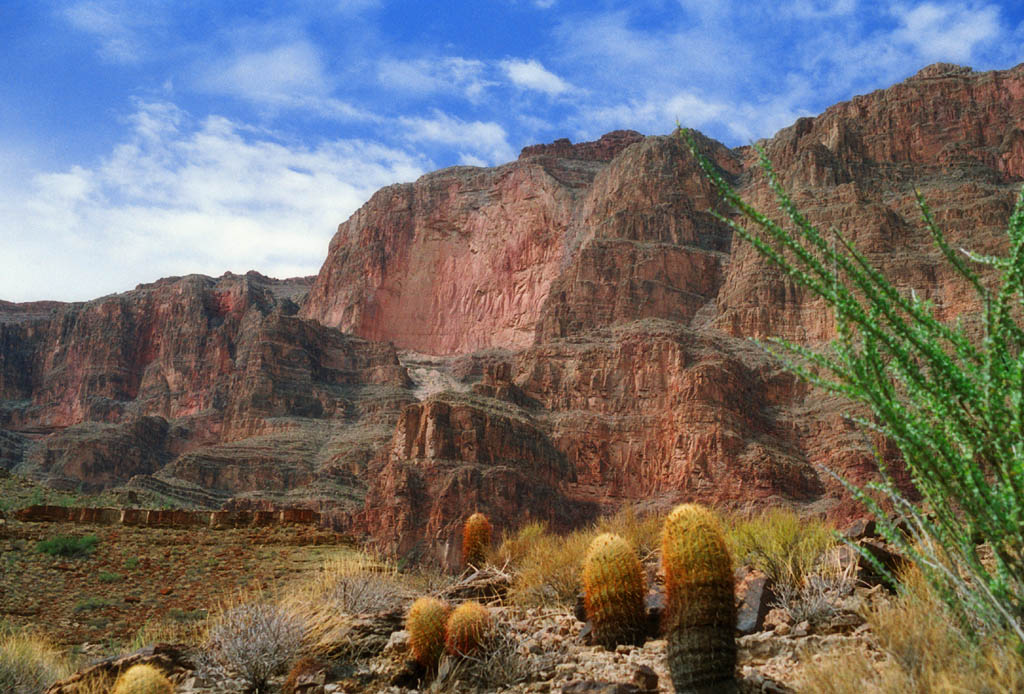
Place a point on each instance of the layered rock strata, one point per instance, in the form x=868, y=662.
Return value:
x=575, y=323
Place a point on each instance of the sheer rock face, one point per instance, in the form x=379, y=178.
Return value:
x=596, y=309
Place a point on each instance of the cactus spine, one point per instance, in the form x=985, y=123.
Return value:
x=143, y=679
x=700, y=616
x=426, y=626
x=476, y=539
x=468, y=629
x=613, y=591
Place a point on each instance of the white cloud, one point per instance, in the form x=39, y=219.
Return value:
x=482, y=141
x=946, y=32
x=819, y=9
x=179, y=197
x=288, y=75
x=530, y=74
x=428, y=75
x=115, y=25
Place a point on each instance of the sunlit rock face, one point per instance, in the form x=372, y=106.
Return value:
x=575, y=325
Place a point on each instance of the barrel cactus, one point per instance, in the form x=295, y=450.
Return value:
x=700, y=616
x=143, y=679
x=613, y=591
x=476, y=539
x=468, y=629
x=426, y=626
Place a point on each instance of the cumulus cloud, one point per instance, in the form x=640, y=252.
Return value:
x=530, y=74
x=180, y=196
x=478, y=142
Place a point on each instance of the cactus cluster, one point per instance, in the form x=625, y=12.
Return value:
x=434, y=628
x=476, y=540
x=700, y=615
x=468, y=629
x=614, y=585
x=142, y=679
x=426, y=626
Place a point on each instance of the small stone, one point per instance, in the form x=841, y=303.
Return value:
x=624, y=649
x=565, y=670
x=398, y=642
x=645, y=678
x=580, y=610
x=775, y=617
x=802, y=629
x=754, y=596
x=782, y=629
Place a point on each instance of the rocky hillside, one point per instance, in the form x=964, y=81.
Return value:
x=541, y=339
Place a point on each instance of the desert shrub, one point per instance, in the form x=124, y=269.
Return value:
x=788, y=549
x=548, y=572
x=68, y=546
x=949, y=399
x=498, y=667
x=255, y=641
x=28, y=665
x=109, y=577
x=350, y=585
x=640, y=530
x=913, y=651
x=516, y=546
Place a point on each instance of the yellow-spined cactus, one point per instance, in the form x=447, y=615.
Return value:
x=700, y=615
x=476, y=539
x=468, y=629
x=143, y=679
x=426, y=623
x=614, y=585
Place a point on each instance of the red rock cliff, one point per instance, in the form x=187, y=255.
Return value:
x=592, y=311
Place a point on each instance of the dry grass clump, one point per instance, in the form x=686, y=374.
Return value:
x=547, y=566
x=780, y=543
x=789, y=550
x=547, y=569
x=641, y=531
x=28, y=664
x=499, y=665
x=919, y=651
x=350, y=585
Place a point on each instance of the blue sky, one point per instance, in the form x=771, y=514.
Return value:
x=142, y=139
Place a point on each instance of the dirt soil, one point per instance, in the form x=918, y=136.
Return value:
x=136, y=577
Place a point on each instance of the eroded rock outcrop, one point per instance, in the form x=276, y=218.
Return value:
x=592, y=312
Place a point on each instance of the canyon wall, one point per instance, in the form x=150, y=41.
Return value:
x=578, y=320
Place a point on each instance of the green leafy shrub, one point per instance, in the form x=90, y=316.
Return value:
x=68, y=546
x=109, y=577
x=949, y=399
x=788, y=549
